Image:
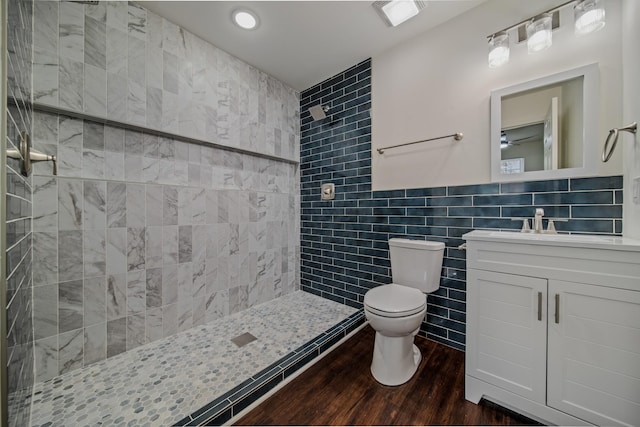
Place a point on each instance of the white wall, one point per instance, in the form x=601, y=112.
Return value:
x=631, y=144
x=439, y=83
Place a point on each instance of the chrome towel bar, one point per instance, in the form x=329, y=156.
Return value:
x=606, y=154
x=457, y=136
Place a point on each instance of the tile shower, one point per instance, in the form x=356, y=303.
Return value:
x=176, y=199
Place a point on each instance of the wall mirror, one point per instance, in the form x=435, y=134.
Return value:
x=546, y=128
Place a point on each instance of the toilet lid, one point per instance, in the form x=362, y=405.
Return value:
x=395, y=300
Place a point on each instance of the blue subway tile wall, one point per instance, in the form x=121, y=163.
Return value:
x=17, y=203
x=344, y=242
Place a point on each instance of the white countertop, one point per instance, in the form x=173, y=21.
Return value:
x=566, y=240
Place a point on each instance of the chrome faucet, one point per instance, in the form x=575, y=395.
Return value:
x=537, y=221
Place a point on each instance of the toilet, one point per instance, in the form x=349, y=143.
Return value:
x=396, y=311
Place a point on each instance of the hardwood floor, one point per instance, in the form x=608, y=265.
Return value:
x=339, y=390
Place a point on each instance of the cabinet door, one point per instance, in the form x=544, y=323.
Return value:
x=594, y=353
x=506, y=332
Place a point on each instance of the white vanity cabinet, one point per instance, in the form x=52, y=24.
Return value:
x=553, y=326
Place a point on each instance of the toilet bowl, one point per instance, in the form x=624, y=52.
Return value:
x=396, y=311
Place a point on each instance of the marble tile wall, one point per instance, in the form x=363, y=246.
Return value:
x=140, y=237
x=119, y=61
x=18, y=207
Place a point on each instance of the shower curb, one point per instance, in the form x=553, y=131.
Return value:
x=234, y=401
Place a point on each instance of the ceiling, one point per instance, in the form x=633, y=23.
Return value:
x=303, y=42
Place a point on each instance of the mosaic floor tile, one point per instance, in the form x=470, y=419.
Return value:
x=162, y=382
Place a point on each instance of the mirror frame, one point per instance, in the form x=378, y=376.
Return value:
x=590, y=129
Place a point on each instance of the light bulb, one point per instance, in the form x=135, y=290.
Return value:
x=589, y=17
x=539, y=33
x=498, y=50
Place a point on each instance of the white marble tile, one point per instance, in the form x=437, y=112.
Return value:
x=154, y=247
x=95, y=304
x=116, y=336
x=117, y=14
x=95, y=204
x=117, y=51
x=71, y=31
x=136, y=238
x=116, y=296
x=93, y=164
x=153, y=330
x=136, y=212
x=154, y=63
x=154, y=288
x=170, y=245
x=70, y=308
x=137, y=21
x=136, y=61
x=45, y=29
x=94, y=253
x=170, y=72
x=114, y=166
x=45, y=311
x=70, y=198
x=45, y=258
x=95, y=91
x=97, y=11
x=133, y=168
x=70, y=351
x=95, y=41
x=170, y=37
x=45, y=76
x=154, y=200
x=154, y=30
x=95, y=343
x=70, y=84
x=150, y=170
x=117, y=87
x=45, y=203
x=169, y=284
x=136, y=103
x=116, y=251
x=46, y=358
x=170, y=112
x=154, y=107
x=136, y=294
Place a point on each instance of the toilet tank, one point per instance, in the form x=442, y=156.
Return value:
x=416, y=263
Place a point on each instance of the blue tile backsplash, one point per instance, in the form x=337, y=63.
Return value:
x=344, y=249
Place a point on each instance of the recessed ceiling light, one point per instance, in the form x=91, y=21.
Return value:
x=244, y=18
x=395, y=12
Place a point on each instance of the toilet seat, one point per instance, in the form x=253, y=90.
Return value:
x=394, y=301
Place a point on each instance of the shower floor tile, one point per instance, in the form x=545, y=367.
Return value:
x=164, y=381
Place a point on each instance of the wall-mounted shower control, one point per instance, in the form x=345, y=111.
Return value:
x=328, y=191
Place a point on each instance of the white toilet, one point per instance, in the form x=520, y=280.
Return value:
x=396, y=310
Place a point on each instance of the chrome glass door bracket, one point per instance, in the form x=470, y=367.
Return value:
x=27, y=156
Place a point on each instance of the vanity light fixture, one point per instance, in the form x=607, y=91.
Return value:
x=537, y=31
x=395, y=12
x=588, y=16
x=245, y=19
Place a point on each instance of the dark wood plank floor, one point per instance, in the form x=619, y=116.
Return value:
x=339, y=390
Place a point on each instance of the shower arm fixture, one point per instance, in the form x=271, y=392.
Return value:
x=319, y=112
x=27, y=156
